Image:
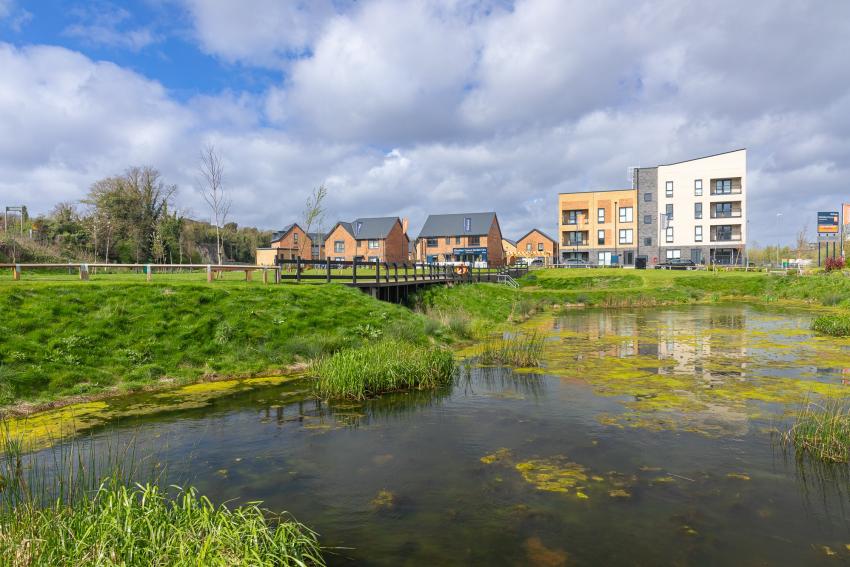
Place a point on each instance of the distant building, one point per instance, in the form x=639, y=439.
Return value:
x=509, y=246
x=537, y=245
x=317, y=250
x=380, y=239
x=290, y=243
x=461, y=237
x=599, y=227
x=694, y=209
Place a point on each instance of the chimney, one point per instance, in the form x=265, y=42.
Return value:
x=404, y=223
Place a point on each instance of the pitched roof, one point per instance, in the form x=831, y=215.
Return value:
x=317, y=237
x=281, y=233
x=512, y=242
x=375, y=228
x=537, y=230
x=455, y=225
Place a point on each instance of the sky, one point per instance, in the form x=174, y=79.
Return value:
x=415, y=107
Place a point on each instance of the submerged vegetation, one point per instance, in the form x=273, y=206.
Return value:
x=523, y=349
x=822, y=430
x=383, y=366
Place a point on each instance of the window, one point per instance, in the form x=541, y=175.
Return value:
x=668, y=189
x=295, y=237
x=600, y=237
x=723, y=187
x=647, y=197
x=697, y=233
x=723, y=232
x=528, y=247
x=431, y=243
x=698, y=187
x=540, y=247
x=647, y=219
x=457, y=239
x=474, y=240
x=467, y=224
x=722, y=210
x=357, y=243
x=571, y=218
x=603, y=258
x=626, y=236
x=669, y=211
x=373, y=259
x=339, y=246
x=675, y=253
x=357, y=228
x=626, y=214
x=697, y=210
x=647, y=241
x=573, y=239
x=600, y=215
x=669, y=234
x=374, y=244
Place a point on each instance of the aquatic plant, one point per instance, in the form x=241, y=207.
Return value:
x=837, y=325
x=382, y=366
x=822, y=430
x=518, y=350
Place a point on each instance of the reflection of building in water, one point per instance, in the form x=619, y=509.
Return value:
x=614, y=333
x=703, y=346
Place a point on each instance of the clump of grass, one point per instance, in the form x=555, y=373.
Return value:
x=832, y=299
x=837, y=325
x=519, y=350
x=822, y=431
x=383, y=366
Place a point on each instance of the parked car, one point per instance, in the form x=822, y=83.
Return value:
x=677, y=264
x=575, y=263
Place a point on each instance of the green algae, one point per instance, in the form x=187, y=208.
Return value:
x=556, y=474
x=384, y=500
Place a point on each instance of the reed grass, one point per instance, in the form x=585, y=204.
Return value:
x=822, y=430
x=837, y=325
x=523, y=350
x=383, y=366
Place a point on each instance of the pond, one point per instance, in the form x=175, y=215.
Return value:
x=645, y=438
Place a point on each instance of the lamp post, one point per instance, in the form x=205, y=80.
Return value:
x=616, y=234
x=778, y=219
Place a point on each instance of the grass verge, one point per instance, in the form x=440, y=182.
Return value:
x=382, y=366
x=822, y=431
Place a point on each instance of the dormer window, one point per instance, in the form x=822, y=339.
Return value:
x=357, y=228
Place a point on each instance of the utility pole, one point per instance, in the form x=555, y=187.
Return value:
x=616, y=234
x=778, y=219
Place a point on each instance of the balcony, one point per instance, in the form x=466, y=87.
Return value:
x=725, y=214
x=575, y=239
x=574, y=217
x=725, y=233
x=722, y=187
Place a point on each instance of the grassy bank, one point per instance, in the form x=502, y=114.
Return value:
x=63, y=339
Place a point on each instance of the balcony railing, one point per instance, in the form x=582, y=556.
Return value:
x=575, y=244
x=732, y=238
x=734, y=191
x=725, y=214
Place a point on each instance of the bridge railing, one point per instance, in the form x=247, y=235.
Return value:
x=360, y=271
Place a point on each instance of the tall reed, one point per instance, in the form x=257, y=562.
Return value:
x=822, y=430
x=516, y=350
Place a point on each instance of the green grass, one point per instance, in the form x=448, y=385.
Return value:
x=522, y=350
x=83, y=338
x=383, y=366
x=822, y=431
x=835, y=324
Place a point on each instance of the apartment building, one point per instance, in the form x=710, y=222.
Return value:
x=694, y=209
x=462, y=237
x=290, y=243
x=599, y=227
x=536, y=244
x=380, y=239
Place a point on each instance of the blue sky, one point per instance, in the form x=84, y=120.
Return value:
x=412, y=107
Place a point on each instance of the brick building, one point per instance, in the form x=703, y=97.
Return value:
x=462, y=237
x=381, y=239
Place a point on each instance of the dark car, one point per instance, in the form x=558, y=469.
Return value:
x=677, y=264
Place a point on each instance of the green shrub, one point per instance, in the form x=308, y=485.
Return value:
x=383, y=366
x=837, y=325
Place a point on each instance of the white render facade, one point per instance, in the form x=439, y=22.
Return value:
x=694, y=209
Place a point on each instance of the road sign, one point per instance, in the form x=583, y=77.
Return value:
x=828, y=225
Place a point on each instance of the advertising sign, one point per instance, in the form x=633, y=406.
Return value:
x=845, y=214
x=828, y=225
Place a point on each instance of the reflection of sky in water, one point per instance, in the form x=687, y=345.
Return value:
x=661, y=489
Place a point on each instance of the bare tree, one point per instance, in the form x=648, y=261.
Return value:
x=802, y=241
x=314, y=212
x=211, y=186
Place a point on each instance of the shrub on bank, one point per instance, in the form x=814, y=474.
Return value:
x=383, y=366
x=832, y=264
x=837, y=325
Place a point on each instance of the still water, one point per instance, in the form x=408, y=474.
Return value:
x=644, y=439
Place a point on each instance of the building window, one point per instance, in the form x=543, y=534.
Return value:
x=373, y=259
x=675, y=253
x=474, y=240
x=357, y=228
x=697, y=210
x=571, y=217
x=669, y=211
x=626, y=236
x=431, y=243
x=698, y=233
x=647, y=241
x=647, y=197
x=457, y=239
x=295, y=237
x=723, y=187
x=373, y=244
x=669, y=234
x=647, y=219
x=698, y=187
x=600, y=215
x=528, y=247
x=339, y=246
x=540, y=247
x=600, y=237
x=668, y=189
x=722, y=210
x=626, y=214
x=467, y=224
x=723, y=232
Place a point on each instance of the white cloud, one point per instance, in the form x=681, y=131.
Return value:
x=104, y=24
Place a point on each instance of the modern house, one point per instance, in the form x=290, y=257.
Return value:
x=461, y=237
x=317, y=239
x=599, y=227
x=537, y=245
x=694, y=209
x=380, y=239
x=509, y=246
x=290, y=243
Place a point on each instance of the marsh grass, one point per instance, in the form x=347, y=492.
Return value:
x=837, y=325
x=822, y=430
x=76, y=504
x=383, y=366
x=523, y=350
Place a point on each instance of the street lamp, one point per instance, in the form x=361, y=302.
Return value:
x=778, y=218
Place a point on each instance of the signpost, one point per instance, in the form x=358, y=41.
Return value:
x=828, y=231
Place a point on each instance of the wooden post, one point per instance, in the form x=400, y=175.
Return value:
x=405, y=270
x=148, y=272
x=265, y=276
x=387, y=272
x=249, y=275
x=353, y=270
x=298, y=269
x=209, y=274
x=395, y=269
x=329, y=272
x=16, y=272
x=84, y=272
x=377, y=272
